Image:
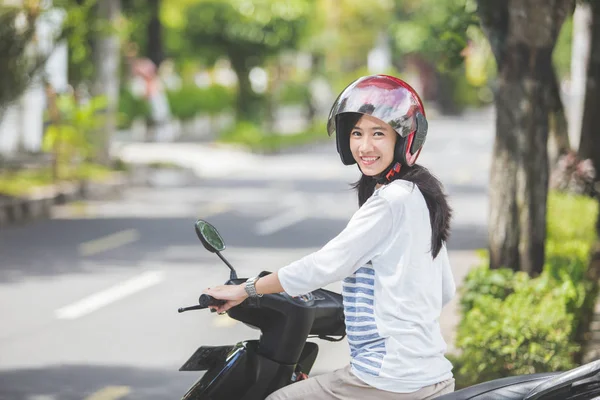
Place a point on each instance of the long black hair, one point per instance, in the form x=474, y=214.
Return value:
x=440, y=211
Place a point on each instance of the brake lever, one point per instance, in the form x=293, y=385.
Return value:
x=184, y=309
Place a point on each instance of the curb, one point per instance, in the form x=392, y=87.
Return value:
x=38, y=206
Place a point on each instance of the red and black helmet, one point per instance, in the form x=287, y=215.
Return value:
x=389, y=99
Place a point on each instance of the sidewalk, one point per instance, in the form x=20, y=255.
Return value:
x=211, y=160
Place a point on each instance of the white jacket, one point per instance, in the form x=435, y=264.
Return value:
x=392, y=288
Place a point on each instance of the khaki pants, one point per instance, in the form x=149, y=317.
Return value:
x=343, y=385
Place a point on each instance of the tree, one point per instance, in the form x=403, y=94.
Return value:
x=580, y=55
x=589, y=146
x=522, y=35
x=438, y=35
x=155, y=40
x=107, y=61
x=559, y=143
x=80, y=27
x=247, y=32
x=17, y=34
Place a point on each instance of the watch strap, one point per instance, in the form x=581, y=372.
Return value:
x=250, y=287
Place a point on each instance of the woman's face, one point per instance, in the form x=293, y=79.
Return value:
x=372, y=144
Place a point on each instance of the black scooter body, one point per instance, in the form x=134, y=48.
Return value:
x=259, y=367
x=254, y=375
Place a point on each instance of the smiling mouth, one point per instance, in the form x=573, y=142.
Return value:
x=368, y=160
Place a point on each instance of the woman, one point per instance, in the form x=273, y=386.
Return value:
x=391, y=256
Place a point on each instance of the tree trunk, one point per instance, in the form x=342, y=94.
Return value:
x=589, y=146
x=155, y=43
x=558, y=144
x=107, y=75
x=311, y=110
x=522, y=35
x=582, y=27
x=247, y=104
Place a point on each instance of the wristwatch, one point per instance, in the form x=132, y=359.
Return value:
x=251, y=287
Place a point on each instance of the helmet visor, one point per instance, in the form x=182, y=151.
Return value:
x=381, y=97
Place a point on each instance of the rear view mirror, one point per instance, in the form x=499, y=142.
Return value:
x=209, y=236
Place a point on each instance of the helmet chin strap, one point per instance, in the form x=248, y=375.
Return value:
x=387, y=174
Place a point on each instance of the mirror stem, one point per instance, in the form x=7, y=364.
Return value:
x=233, y=274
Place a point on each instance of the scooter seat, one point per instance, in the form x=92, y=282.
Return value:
x=511, y=388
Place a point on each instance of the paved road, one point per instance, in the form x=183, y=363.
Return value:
x=88, y=299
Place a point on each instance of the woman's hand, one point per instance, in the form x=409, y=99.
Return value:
x=233, y=294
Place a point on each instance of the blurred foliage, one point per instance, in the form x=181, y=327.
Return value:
x=342, y=32
x=191, y=100
x=513, y=324
x=17, y=40
x=21, y=183
x=447, y=36
x=438, y=30
x=26, y=182
x=292, y=92
x=561, y=56
x=131, y=107
x=247, y=32
x=80, y=28
x=251, y=136
x=254, y=29
x=72, y=133
x=571, y=218
x=337, y=35
x=252, y=33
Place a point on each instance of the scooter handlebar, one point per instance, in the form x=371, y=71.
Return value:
x=206, y=300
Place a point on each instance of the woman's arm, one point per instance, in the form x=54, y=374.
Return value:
x=269, y=284
x=365, y=235
x=235, y=294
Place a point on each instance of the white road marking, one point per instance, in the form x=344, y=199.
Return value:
x=281, y=221
x=108, y=242
x=110, y=295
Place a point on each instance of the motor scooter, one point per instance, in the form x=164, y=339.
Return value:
x=253, y=369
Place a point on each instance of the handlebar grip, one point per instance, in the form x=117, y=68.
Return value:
x=206, y=300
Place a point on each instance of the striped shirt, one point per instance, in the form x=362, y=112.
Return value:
x=367, y=347
x=393, y=290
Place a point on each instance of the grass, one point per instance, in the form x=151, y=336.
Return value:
x=23, y=182
x=164, y=165
x=251, y=136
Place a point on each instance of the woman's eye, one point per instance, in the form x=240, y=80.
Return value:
x=379, y=134
x=356, y=133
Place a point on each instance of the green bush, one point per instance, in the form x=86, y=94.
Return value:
x=292, y=93
x=529, y=331
x=250, y=135
x=244, y=133
x=484, y=282
x=191, y=100
x=571, y=217
x=513, y=324
x=130, y=108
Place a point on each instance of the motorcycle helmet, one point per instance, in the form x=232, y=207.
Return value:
x=389, y=99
